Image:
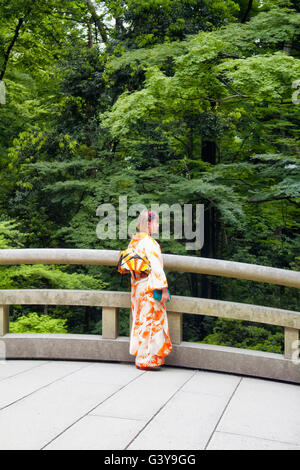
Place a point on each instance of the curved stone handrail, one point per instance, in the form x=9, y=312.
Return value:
x=114, y=347
x=182, y=304
x=191, y=264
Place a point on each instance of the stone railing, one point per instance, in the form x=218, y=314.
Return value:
x=110, y=346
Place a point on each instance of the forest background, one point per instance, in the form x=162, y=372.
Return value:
x=182, y=101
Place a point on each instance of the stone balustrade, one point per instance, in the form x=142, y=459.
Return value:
x=110, y=346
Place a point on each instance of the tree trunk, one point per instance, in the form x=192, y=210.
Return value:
x=10, y=47
x=247, y=12
x=209, y=152
x=90, y=36
x=15, y=37
x=100, y=25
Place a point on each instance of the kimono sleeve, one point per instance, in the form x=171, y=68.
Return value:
x=157, y=274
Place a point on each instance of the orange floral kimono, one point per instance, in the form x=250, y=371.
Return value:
x=149, y=339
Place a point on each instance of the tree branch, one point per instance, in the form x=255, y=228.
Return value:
x=15, y=37
x=11, y=45
x=97, y=20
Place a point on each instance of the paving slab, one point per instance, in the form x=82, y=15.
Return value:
x=227, y=441
x=212, y=383
x=97, y=433
x=108, y=373
x=94, y=405
x=9, y=368
x=144, y=397
x=19, y=386
x=188, y=420
x=264, y=409
x=37, y=419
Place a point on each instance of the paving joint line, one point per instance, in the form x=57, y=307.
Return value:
x=155, y=414
x=223, y=412
x=260, y=438
x=41, y=388
x=91, y=410
x=116, y=417
x=24, y=371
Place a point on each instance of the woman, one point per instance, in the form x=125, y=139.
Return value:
x=150, y=339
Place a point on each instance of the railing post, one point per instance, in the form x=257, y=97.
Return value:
x=4, y=319
x=291, y=342
x=110, y=322
x=175, y=326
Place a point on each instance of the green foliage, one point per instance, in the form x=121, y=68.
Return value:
x=239, y=334
x=43, y=277
x=10, y=235
x=38, y=275
x=159, y=21
x=264, y=77
x=124, y=322
x=34, y=323
x=265, y=32
x=50, y=276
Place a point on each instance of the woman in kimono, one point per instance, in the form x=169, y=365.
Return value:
x=150, y=339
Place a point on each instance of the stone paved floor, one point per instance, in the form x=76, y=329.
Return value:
x=83, y=405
